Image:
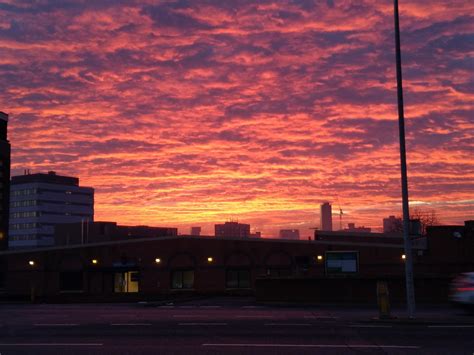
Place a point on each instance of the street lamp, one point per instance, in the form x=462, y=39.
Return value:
x=403, y=165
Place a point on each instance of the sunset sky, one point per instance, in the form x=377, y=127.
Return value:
x=185, y=113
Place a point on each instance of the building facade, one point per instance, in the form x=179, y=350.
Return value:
x=39, y=202
x=4, y=181
x=329, y=270
x=232, y=229
x=326, y=217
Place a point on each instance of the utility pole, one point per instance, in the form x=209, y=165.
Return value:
x=403, y=165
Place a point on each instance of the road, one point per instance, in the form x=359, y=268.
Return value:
x=214, y=327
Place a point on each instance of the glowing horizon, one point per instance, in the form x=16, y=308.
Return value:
x=190, y=113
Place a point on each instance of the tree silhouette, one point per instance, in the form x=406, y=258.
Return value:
x=426, y=217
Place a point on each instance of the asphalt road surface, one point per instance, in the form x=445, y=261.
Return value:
x=216, y=327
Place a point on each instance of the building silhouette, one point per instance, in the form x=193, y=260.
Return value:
x=392, y=224
x=196, y=231
x=256, y=235
x=290, y=234
x=4, y=181
x=41, y=201
x=351, y=227
x=326, y=217
x=232, y=229
x=97, y=232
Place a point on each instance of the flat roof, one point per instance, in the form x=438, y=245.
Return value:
x=48, y=178
x=3, y=116
x=190, y=237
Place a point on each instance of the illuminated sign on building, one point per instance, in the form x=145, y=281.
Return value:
x=342, y=262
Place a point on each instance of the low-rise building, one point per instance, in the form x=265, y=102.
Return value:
x=95, y=232
x=273, y=269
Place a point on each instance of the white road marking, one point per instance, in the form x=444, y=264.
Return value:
x=348, y=346
x=451, y=326
x=130, y=324
x=51, y=344
x=369, y=326
x=289, y=324
x=56, y=325
x=202, y=324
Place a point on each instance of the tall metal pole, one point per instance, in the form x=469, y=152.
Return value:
x=403, y=164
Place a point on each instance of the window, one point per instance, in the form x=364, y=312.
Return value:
x=182, y=279
x=126, y=282
x=238, y=278
x=71, y=281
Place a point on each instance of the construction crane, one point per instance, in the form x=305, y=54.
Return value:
x=340, y=214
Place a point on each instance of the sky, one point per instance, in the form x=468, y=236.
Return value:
x=190, y=113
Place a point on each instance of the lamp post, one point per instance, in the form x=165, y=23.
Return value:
x=410, y=292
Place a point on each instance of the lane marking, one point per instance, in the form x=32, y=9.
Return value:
x=56, y=325
x=369, y=326
x=202, y=324
x=289, y=324
x=130, y=324
x=451, y=326
x=51, y=344
x=348, y=346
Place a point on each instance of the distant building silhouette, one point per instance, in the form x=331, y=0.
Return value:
x=196, y=231
x=290, y=234
x=232, y=229
x=326, y=217
x=4, y=181
x=41, y=201
x=256, y=235
x=392, y=225
x=352, y=228
x=97, y=232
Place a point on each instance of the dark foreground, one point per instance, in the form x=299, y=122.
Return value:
x=228, y=326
